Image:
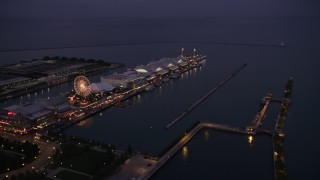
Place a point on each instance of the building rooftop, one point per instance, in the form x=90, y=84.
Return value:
x=101, y=87
x=12, y=79
x=39, y=114
x=163, y=63
x=26, y=110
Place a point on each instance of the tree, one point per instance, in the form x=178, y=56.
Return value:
x=55, y=58
x=46, y=58
x=82, y=60
x=64, y=58
x=91, y=61
x=73, y=59
x=129, y=149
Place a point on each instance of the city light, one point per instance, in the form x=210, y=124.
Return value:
x=250, y=139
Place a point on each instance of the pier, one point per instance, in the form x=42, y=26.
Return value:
x=187, y=137
x=175, y=120
x=280, y=171
x=256, y=122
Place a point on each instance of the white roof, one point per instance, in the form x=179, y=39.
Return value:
x=163, y=63
x=142, y=69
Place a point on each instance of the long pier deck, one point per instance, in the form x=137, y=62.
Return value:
x=178, y=118
x=256, y=122
x=185, y=139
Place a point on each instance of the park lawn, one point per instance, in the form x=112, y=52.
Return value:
x=86, y=162
x=11, y=161
x=71, y=175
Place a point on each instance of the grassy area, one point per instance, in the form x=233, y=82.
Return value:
x=87, y=162
x=71, y=175
x=8, y=160
x=94, y=67
x=77, y=154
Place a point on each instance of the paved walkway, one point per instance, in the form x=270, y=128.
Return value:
x=53, y=173
x=134, y=168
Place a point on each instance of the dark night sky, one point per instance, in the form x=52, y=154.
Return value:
x=146, y=8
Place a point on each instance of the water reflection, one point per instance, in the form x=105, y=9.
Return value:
x=86, y=123
x=250, y=140
x=139, y=98
x=185, y=152
x=206, y=135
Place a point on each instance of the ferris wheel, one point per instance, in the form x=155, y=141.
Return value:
x=82, y=86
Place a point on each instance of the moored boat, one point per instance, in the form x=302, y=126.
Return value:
x=150, y=87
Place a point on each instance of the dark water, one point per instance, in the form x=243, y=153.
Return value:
x=223, y=155
x=216, y=155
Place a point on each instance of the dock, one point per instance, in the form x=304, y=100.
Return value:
x=183, y=114
x=185, y=139
x=280, y=171
x=257, y=120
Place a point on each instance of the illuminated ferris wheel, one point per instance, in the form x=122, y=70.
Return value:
x=82, y=86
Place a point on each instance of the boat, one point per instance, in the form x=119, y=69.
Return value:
x=150, y=87
x=121, y=104
x=165, y=79
x=175, y=75
x=158, y=82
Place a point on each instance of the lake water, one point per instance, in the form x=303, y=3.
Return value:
x=222, y=155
